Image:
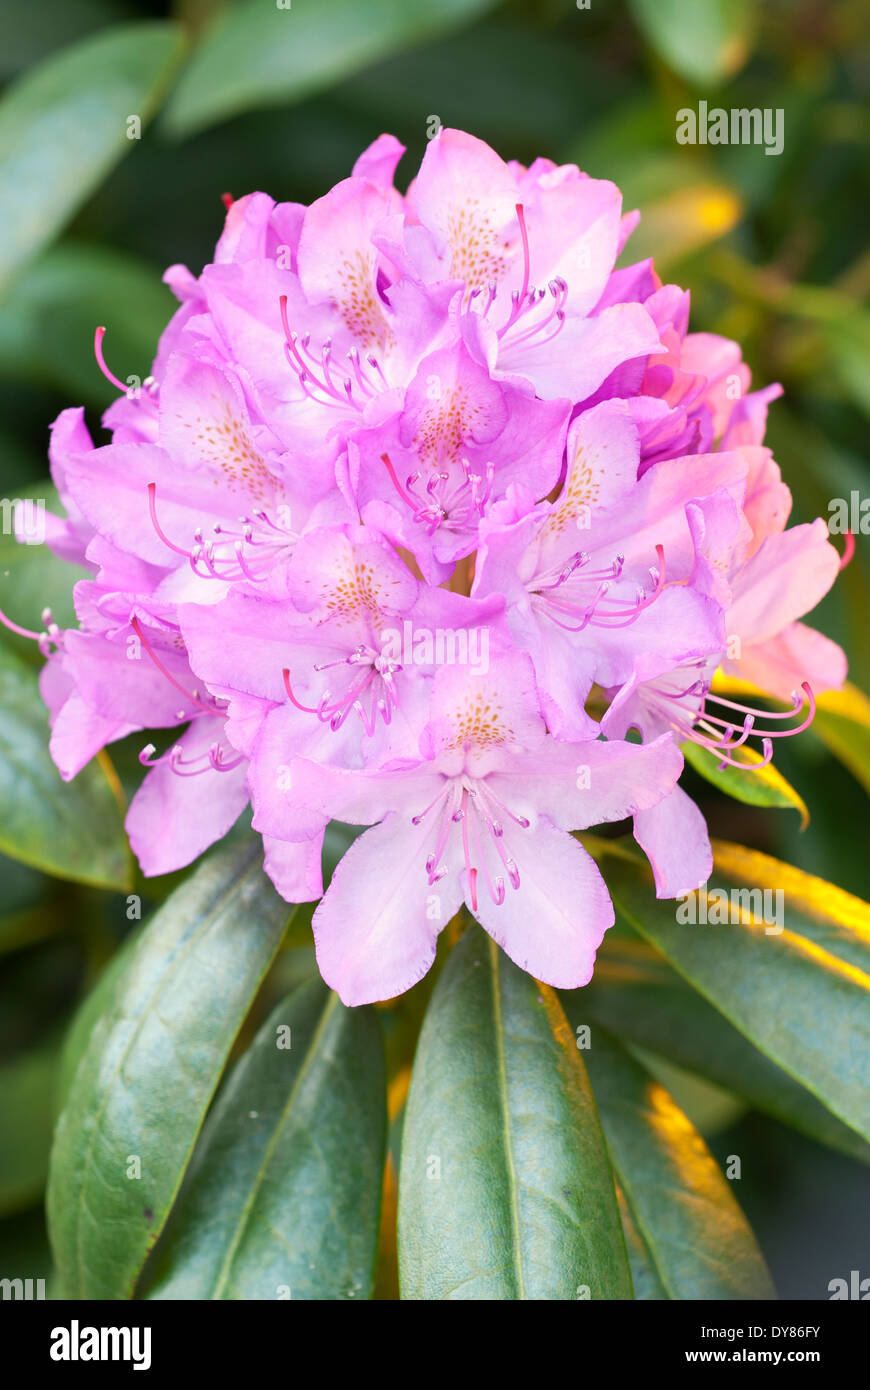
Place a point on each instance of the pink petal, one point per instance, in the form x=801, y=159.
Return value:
x=295, y=867
x=673, y=836
x=553, y=924
x=172, y=819
x=377, y=927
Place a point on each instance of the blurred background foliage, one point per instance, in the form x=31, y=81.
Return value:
x=253, y=95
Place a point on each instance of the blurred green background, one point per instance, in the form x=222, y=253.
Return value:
x=256, y=95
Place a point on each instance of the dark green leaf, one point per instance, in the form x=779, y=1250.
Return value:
x=505, y=1190
x=647, y=1003
x=847, y=338
x=842, y=722
x=819, y=911
x=684, y=1210
x=648, y=1287
x=284, y=1197
x=69, y=829
x=98, y=1001
x=765, y=786
x=154, y=1059
x=260, y=55
x=803, y=1006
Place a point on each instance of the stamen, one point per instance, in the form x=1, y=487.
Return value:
x=147, y=758
x=453, y=508
x=421, y=815
x=336, y=714
x=294, y=346
x=462, y=814
x=214, y=760
x=496, y=888
x=385, y=459
x=50, y=637
x=21, y=631
x=362, y=378
x=152, y=508
x=373, y=362
x=592, y=611
x=239, y=566
x=849, y=550
x=519, y=296
x=99, y=334
x=559, y=290
x=797, y=704
x=716, y=734
x=450, y=796
x=217, y=755
x=137, y=628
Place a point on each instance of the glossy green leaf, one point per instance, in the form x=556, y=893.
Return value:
x=645, y=1001
x=704, y=42
x=260, y=55
x=505, y=1189
x=647, y=1285
x=284, y=1198
x=98, y=1001
x=763, y=786
x=710, y=1109
x=684, y=1210
x=26, y=1100
x=819, y=911
x=155, y=1055
x=802, y=1005
x=73, y=829
x=842, y=723
x=63, y=126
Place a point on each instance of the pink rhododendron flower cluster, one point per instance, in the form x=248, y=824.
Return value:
x=413, y=478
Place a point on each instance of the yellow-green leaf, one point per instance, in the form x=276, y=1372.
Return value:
x=761, y=785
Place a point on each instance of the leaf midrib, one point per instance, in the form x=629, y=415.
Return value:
x=159, y=983
x=247, y=1208
x=501, y=1073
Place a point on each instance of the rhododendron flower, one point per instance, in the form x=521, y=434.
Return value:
x=482, y=817
x=426, y=512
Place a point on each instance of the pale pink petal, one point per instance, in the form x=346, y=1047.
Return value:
x=78, y=733
x=378, y=162
x=295, y=867
x=553, y=924
x=577, y=359
x=786, y=577
x=376, y=929
x=577, y=785
x=673, y=835
x=173, y=818
x=782, y=663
